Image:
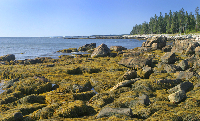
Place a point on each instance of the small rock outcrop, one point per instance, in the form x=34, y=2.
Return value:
x=87, y=47
x=117, y=48
x=144, y=99
x=185, y=86
x=8, y=57
x=155, y=42
x=177, y=96
x=101, y=51
x=107, y=112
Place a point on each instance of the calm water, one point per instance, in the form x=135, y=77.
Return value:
x=32, y=47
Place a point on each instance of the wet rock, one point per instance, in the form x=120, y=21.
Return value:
x=8, y=84
x=177, y=96
x=184, y=75
x=18, y=116
x=167, y=48
x=87, y=47
x=124, y=83
x=101, y=51
x=184, y=65
x=117, y=48
x=171, y=68
x=185, y=86
x=145, y=72
x=8, y=57
x=107, y=112
x=169, y=58
x=144, y=99
x=160, y=41
x=136, y=62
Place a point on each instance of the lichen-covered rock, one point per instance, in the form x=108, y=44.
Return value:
x=73, y=109
x=78, y=88
x=136, y=62
x=32, y=99
x=167, y=48
x=191, y=48
x=169, y=57
x=177, y=96
x=131, y=74
x=185, y=86
x=107, y=112
x=101, y=51
x=197, y=51
x=170, y=81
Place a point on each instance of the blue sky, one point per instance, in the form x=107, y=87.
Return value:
x=42, y=18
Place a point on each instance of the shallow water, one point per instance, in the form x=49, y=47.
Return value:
x=32, y=47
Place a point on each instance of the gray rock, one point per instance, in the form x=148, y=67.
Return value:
x=144, y=99
x=167, y=48
x=169, y=57
x=184, y=65
x=160, y=42
x=131, y=74
x=117, y=48
x=185, y=75
x=177, y=96
x=107, y=112
x=197, y=51
x=82, y=88
x=101, y=51
x=191, y=48
x=18, y=116
x=171, y=68
x=136, y=62
x=87, y=47
x=185, y=86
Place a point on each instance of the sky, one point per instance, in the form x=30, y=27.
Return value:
x=44, y=18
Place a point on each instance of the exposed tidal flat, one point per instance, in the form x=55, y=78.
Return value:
x=157, y=81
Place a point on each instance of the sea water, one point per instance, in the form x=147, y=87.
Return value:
x=32, y=47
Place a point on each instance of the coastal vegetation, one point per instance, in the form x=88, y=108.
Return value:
x=174, y=22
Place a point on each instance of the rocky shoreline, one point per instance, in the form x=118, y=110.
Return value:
x=157, y=81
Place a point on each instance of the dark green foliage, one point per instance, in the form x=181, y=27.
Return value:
x=175, y=22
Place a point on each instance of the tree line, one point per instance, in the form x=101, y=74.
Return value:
x=176, y=22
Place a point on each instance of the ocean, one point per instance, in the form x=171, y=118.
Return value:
x=32, y=47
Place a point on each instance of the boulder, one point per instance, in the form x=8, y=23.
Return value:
x=171, y=68
x=169, y=81
x=185, y=86
x=32, y=99
x=145, y=72
x=184, y=75
x=177, y=96
x=144, y=99
x=87, y=47
x=107, y=112
x=131, y=74
x=160, y=42
x=117, y=48
x=136, y=62
x=8, y=57
x=169, y=57
x=101, y=51
x=191, y=48
x=184, y=65
x=197, y=51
